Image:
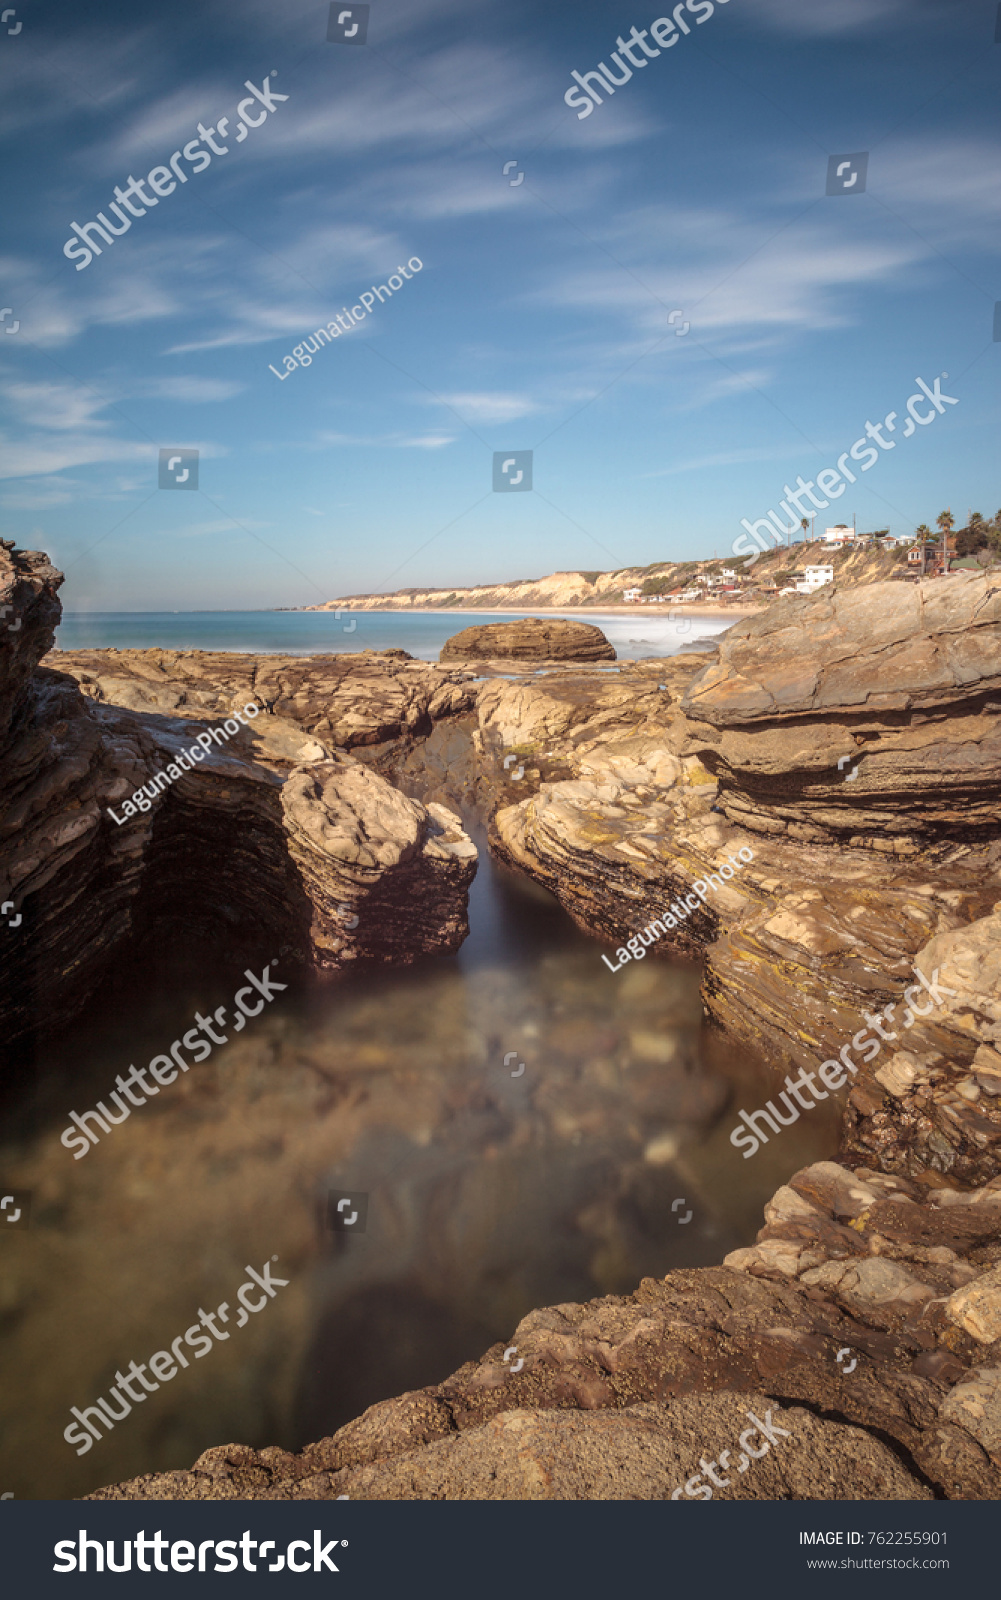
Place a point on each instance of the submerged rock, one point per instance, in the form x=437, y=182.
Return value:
x=621, y=1398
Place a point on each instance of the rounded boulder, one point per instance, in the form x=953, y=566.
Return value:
x=529, y=639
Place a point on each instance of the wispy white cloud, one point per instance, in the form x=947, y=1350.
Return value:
x=393, y=441
x=199, y=530
x=490, y=406
x=826, y=18
x=35, y=455
x=724, y=458
x=187, y=391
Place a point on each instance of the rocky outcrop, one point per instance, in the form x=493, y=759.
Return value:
x=630, y=784
x=936, y=1104
x=386, y=877
x=278, y=834
x=529, y=639
x=351, y=701
x=29, y=612
x=637, y=785
x=864, y=717
x=865, y=1323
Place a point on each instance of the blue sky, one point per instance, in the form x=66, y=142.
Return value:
x=541, y=317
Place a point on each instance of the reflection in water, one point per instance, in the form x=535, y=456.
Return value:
x=488, y=1193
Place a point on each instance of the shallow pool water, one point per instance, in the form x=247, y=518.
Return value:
x=524, y=1126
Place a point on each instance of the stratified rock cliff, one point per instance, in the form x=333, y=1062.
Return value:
x=642, y=782
x=278, y=830
x=904, y=680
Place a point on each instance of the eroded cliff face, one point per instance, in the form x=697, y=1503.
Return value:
x=903, y=679
x=277, y=829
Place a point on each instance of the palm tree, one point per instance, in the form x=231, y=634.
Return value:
x=924, y=534
x=804, y=523
x=945, y=522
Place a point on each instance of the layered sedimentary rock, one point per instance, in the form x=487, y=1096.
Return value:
x=529, y=639
x=386, y=877
x=29, y=612
x=627, y=799
x=623, y=1397
x=629, y=786
x=860, y=717
x=214, y=851
x=351, y=700
x=932, y=1100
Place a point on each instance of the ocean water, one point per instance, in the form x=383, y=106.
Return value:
x=321, y=632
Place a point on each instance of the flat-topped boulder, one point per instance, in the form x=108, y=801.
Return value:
x=529, y=639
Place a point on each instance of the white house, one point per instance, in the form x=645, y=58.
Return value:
x=814, y=578
x=839, y=535
x=632, y=595
x=728, y=572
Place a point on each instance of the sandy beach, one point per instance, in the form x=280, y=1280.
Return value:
x=583, y=612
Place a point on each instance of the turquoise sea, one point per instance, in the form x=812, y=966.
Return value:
x=321, y=632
